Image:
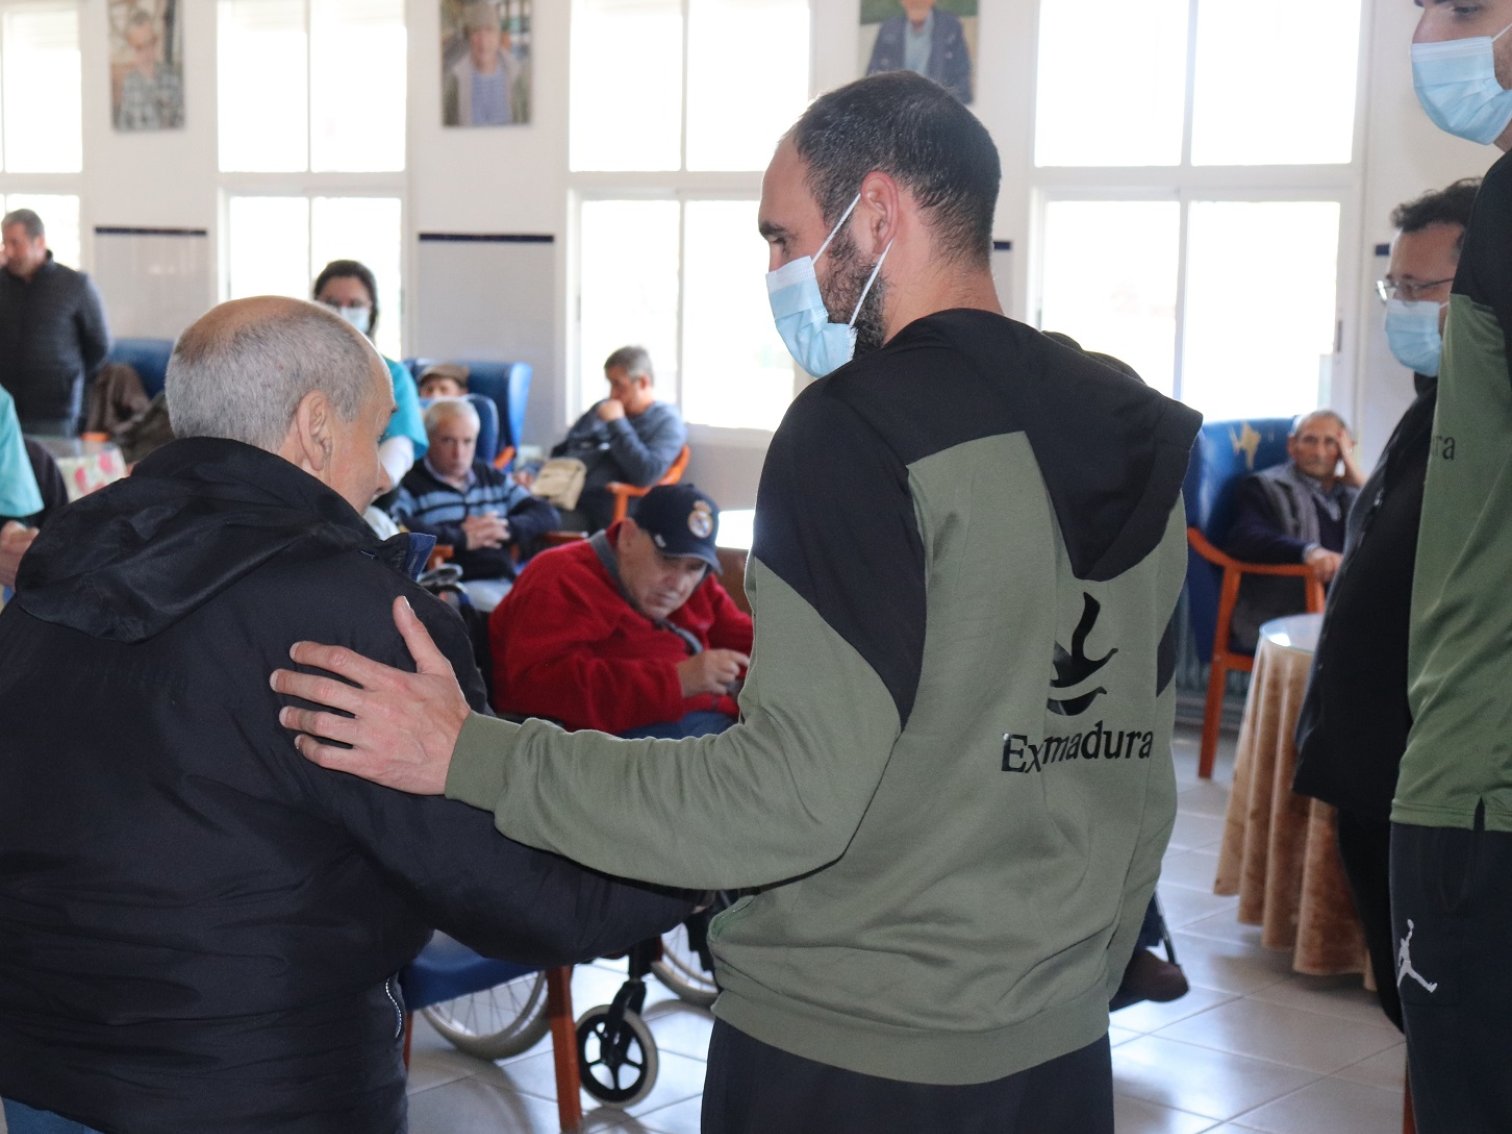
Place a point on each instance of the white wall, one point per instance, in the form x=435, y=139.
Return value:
x=514, y=180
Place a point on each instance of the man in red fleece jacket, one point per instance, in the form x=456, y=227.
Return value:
x=627, y=632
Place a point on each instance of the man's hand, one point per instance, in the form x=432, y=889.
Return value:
x=524, y=478
x=609, y=410
x=485, y=531
x=1353, y=475
x=1324, y=563
x=15, y=538
x=710, y=672
x=403, y=726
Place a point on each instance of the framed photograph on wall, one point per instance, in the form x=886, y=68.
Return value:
x=146, y=65
x=936, y=38
x=485, y=62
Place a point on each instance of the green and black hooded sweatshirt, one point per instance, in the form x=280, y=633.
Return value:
x=951, y=785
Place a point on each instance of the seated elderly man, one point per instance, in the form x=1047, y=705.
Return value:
x=198, y=929
x=1293, y=513
x=470, y=505
x=626, y=632
x=628, y=437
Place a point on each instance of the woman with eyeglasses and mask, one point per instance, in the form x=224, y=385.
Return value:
x=348, y=288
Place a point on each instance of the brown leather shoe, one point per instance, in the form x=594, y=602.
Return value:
x=1150, y=978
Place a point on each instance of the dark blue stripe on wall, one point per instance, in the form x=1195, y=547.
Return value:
x=1383, y=250
x=117, y=230
x=488, y=237
x=1002, y=246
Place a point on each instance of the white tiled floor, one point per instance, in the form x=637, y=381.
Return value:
x=1253, y=1046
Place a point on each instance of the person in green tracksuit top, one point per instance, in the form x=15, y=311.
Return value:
x=951, y=784
x=1451, y=838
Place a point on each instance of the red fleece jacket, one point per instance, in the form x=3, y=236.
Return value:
x=567, y=645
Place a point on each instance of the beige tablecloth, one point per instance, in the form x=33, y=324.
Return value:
x=1279, y=852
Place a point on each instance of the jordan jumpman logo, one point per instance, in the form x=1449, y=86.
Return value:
x=1404, y=962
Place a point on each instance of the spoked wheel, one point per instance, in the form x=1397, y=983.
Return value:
x=617, y=1057
x=681, y=968
x=504, y=1020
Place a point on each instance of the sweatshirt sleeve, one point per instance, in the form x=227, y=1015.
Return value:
x=495, y=895
x=529, y=516
x=644, y=458
x=829, y=689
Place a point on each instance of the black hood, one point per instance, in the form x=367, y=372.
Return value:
x=197, y=515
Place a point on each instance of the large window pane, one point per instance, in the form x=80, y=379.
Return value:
x=60, y=220
x=1308, y=117
x=1110, y=280
x=263, y=88
x=735, y=370
x=628, y=289
x=365, y=229
x=1112, y=82
x=357, y=85
x=626, y=74
x=1261, y=306
x=43, y=114
x=269, y=246
x=748, y=79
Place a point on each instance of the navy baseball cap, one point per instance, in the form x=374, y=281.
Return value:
x=681, y=521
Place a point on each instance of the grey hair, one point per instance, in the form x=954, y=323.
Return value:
x=1313, y=415
x=633, y=360
x=242, y=376
x=444, y=408
x=27, y=220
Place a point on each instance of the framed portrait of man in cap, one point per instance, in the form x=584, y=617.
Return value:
x=485, y=62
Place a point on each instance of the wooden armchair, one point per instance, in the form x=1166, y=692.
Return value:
x=624, y=493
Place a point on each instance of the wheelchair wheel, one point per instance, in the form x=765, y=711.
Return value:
x=503, y=1020
x=617, y=1058
x=682, y=970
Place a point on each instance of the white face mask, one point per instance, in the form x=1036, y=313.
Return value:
x=816, y=344
x=359, y=315
x=1457, y=86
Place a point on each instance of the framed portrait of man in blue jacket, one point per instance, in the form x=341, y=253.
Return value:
x=934, y=38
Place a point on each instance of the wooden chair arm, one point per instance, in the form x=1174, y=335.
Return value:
x=1203, y=547
x=506, y=455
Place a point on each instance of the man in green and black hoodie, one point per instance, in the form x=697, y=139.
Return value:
x=951, y=785
x=1451, y=838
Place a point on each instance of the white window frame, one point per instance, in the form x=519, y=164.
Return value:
x=1341, y=183
x=309, y=184
x=68, y=184
x=681, y=185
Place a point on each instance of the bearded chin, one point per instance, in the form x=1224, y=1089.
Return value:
x=849, y=278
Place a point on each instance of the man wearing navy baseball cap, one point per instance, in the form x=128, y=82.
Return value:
x=628, y=632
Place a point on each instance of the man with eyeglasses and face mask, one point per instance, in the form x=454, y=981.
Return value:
x=951, y=783
x=1354, y=720
x=1451, y=837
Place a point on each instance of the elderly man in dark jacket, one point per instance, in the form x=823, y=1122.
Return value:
x=52, y=329
x=198, y=929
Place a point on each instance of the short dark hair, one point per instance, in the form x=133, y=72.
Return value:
x=1450, y=205
x=913, y=129
x=26, y=219
x=350, y=269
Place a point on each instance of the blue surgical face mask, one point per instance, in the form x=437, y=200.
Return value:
x=802, y=319
x=1412, y=331
x=358, y=316
x=1457, y=86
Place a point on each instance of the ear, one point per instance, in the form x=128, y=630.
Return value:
x=310, y=433
x=881, y=210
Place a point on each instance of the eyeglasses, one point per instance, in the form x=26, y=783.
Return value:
x=1389, y=289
